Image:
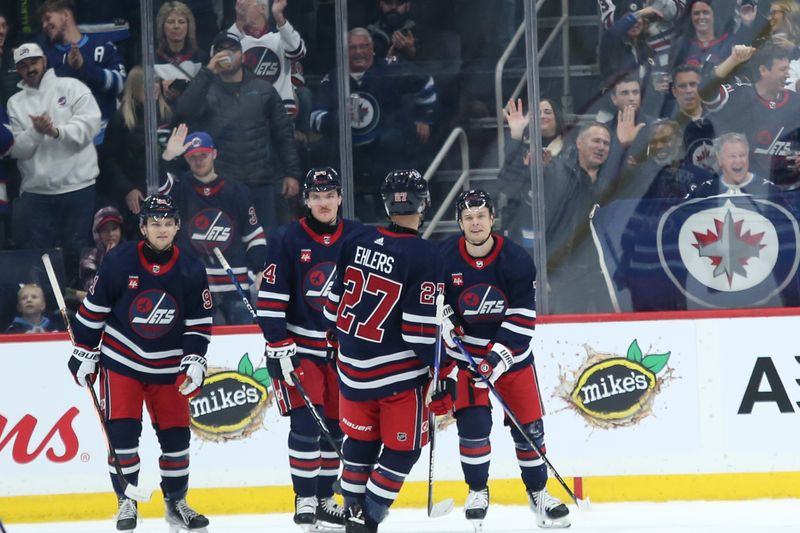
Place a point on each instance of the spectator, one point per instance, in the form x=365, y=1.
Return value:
x=53, y=121
x=8, y=73
x=698, y=129
x=205, y=17
x=386, y=133
x=623, y=46
x=248, y=122
x=217, y=212
x=107, y=233
x=178, y=59
x=75, y=55
x=269, y=55
x=784, y=25
x=31, y=308
x=628, y=121
x=394, y=33
x=6, y=141
x=123, y=184
x=763, y=111
x=732, y=151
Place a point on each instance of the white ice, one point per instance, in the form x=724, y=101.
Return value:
x=759, y=516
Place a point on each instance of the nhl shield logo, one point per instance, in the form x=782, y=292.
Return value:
x=729, y=250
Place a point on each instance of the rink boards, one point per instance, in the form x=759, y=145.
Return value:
x=678, y=407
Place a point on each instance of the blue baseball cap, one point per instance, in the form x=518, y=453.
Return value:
x=199, y=141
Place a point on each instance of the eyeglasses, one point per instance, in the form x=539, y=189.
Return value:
x=776, y=12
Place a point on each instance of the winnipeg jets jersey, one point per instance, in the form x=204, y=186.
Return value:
x=220, y=215
x=493, y=296
x=383, y=305
x=147, y=315
x=301, y=268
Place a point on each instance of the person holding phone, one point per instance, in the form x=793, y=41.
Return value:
x=394, y=33
x=178, y=58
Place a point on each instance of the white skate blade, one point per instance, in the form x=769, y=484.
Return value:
x=442, y=508
x=325, y=527
x=477, y=525
x=135, y=493
x=183, y=529
x=557, y=523
x=583, y=504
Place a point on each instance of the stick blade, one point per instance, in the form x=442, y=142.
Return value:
x=584, y=504
x=135, y=493
x=442, y=508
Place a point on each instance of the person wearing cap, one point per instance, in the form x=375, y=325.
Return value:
x=217, y=212
x=72, y=54
x=107, y=233
x=246, y=118
x=54, y=121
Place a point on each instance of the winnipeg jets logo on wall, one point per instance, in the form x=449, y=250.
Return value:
x=729, y=250
x=210, y=228
x=482, y=302
x=262, y=62
x=153, y=313
x=364, y=116
x=317, y=284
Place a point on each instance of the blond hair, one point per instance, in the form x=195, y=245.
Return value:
x=133, y=95
x=183, y=10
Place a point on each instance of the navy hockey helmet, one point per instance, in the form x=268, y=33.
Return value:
x=473, y=199
x=321, y=179
x=158, y=206
x=405, y=192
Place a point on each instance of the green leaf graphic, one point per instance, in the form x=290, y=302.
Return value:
x=634, y=352
x=656, y=362
x=245, y=366
x=262, y=376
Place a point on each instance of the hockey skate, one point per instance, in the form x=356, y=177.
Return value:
x=330, y=516
x=127, y=514
x=476, y=506
x=305, y=511
x=357, y=521
x=182, y=518
x=549, y=511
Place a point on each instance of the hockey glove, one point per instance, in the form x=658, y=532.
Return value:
x=444, y=395
x=282, y=362
x=497, y=361
x=83, y=365
x=451, y=327
x=191, y=375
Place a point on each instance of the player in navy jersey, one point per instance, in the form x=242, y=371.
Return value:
x=147, y=322
x=383, y=307
x=491, y=304
x=218, y=212
x=301, y=266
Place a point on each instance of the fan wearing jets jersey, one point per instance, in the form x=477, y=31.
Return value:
x=491, y=304
x=301, y=266
x=145, y=325
x=383, y=306
x=217, y=212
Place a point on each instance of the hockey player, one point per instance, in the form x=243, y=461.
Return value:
x=490, y=297
x=383, y=308
x=147, y=322
x=301, y=259
x=218, y=213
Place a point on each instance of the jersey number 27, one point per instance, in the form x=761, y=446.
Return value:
x=356, y=284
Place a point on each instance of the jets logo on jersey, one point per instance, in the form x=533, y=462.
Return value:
x=729, y=250
x=482, y=302
x=317, y=284
x=774, y=145
x=458, y=279
x=153, y=313
x=263, y=62
x=702, y=155
x=364, y=115
x=210, y=228
x=305, y=255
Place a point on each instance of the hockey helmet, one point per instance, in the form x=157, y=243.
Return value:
x=473, y=199
x=158, y=206
x=321, y=179
x=405, y=192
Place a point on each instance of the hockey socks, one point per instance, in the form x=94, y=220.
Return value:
x=531, y=466
x=386, y=481
x=123, y=435
x=174, y=461
x=474, y=425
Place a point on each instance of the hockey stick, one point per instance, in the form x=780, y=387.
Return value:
x=445, y=506
x=295, y=380
x=239, y=290
x=583, y=504
x=129, y=489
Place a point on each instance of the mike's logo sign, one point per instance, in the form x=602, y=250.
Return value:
x=59, y=445
x=729, y=251
x=610, y=391
x=231, y=404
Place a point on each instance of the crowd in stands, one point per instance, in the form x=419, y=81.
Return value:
x=696, y=98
